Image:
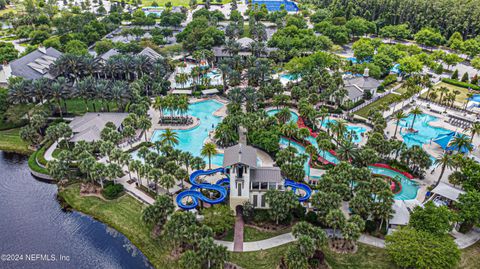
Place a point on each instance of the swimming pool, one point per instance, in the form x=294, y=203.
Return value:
x=293, y=115
x=409, y=187
x=359, y=130
x=157, y=11
x=275, y=5
x=425, y=132
x=475, y=98
x=192, y=140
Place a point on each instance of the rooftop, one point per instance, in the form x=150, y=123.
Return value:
x=266, y=174
x=36, y=64
x=240, y=153
x=89, y=126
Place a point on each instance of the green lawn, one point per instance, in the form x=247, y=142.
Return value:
x=10, y=141
x=366, y=257
x=77, y=106
x=386, y=100
x=470, y=257
x=460, y=98
x=251, y=234
x=123, y=214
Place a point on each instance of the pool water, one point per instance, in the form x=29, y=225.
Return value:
x=289, y=77
x=192, y=140
x=293, y=115
x=275, y=5
x=475, y=98
x=357, y=129
x=409, y=187
x=425, y=132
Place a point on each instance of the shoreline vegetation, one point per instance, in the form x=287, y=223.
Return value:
x=124, y=215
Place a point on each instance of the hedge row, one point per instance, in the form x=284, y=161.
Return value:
x=461, y=84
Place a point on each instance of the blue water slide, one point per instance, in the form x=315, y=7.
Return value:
x=294, y=185
x=195, y=194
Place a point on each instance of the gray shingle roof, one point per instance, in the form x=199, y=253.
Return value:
x=266, y=174
x=240, y=154
x=36, y=64
x=353, y=92
x=365, y=83
x=89, y=126
x=108, y=54
x=245, y=42
x=150, y=53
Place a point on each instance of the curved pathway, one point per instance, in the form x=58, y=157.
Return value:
x=462, y=241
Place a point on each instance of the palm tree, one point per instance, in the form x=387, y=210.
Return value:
x=155, y=175
x=347, y=151
x=289, y=129
x=167, y=181
x=442, y=90
x=415, y=112
x=336, y=220
x=398, y=117
x=169, y=137
x=474, y=130
x=461, y=142
x=209, y=149
x=144, y=123
x=445, y=161
x=469, y=97
x=283, y=115
x=58, y=92
x=312, y=151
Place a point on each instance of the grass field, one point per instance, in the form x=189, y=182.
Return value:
x=470, y=257
x=386, y=100
x=124, y=214
x=10, y=141
x=460, y=98
x=366, y=257
x=77, y=106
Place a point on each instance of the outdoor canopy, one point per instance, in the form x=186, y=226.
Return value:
x=444, y=141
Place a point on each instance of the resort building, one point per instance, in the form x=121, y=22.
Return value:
x=147, y=51
x=248, y=181
x=220, y=52
x=89, y=126
x=445, y=194
x=34, y=65
x=358, y=86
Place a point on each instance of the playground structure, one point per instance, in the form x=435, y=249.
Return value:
x=195, y=194
x=294, y=186
x=222, y=187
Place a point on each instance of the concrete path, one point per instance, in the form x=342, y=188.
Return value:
x=462, y=240
x=238, y=235
x=49, y=153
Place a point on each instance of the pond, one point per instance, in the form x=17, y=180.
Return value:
x=33, y=222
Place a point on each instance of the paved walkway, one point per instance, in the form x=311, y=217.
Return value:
x=238, y=235
x=462, y=240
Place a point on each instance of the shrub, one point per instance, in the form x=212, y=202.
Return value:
x=465, y=77
x=390, y=79
x=311, y=217
x=461, y=84
x=455, y=74
x=112, y=191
